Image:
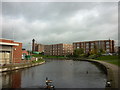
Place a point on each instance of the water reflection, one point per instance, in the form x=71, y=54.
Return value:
x=11, y=79
x=65, y=74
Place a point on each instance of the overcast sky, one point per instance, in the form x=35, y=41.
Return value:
x=59, y=22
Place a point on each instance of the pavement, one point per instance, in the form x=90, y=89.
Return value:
x=114, y=73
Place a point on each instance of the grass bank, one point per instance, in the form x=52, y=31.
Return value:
x=38, y=61
x=48, y=56
x=109, y=59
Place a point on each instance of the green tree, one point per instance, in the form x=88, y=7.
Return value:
x=92, y=52
x=101, y=51
x=95, y=49
x=78, y=52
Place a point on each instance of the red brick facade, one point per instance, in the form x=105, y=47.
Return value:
x=106, y=45
x=6, y=41
x=16, y=53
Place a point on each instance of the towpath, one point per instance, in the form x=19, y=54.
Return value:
x=115, y=72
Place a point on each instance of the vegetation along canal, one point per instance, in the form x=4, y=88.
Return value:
x=64, y=73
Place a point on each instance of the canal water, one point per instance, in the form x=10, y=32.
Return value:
x=64, y=73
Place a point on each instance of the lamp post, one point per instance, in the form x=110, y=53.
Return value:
x=29, y=53
x=29, y=45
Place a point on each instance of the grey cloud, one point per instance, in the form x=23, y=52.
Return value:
x=59, y=22
x=44, y=11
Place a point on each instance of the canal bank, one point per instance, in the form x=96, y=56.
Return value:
x=112, y=72
x=20, y=66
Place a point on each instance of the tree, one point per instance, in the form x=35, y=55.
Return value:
x=78, y=52
x=101, y=51
x=94, y=50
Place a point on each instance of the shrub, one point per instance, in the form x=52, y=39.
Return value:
x=82, y=55
x=92, y=56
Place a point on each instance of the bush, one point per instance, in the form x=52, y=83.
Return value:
x=82, y=55
x=70, y=55
x=78, y=52
x=99, y=54
x=92, y=56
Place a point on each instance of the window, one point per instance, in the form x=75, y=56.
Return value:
x=92, y=43
x=107, y=46
x=107, y=50
x=78, y=44
x=87, y=44
x=107, y=42
x=87, y=51
x=92, y=46
x=5, y=57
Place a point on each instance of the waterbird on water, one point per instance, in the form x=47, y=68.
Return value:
x=87, y=72
x=48, y=81
x=48, y=84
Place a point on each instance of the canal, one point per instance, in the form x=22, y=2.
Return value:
x=64, y=73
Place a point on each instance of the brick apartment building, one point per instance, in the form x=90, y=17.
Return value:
x=54, y=49
x=39, y=47
x=10, y=51
x=58, y=49
x=106, y=45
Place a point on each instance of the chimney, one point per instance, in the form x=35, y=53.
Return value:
x=33, y=45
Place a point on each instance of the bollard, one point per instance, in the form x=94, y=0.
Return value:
x=36, y=59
